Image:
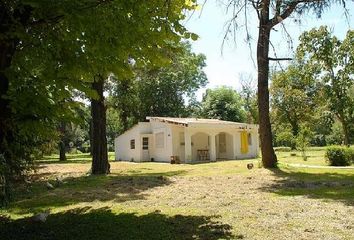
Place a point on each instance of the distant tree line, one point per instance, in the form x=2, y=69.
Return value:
x=316, y=91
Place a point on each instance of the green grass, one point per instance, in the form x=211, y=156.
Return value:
x=71, y=158
x=222, y=200
x=314, y=157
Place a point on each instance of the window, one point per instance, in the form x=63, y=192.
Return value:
x=132, y=144
x=145, y=143
x=159, y=140
x=249, y=139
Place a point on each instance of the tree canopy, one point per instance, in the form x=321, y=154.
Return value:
x=160, y=90
x=269, y=14
x=223, y=103
x=331, y=62
x=51, y=48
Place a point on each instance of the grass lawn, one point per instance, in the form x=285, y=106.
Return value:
x=222, y=200
x=315, y=157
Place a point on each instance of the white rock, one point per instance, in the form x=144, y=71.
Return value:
x=49, y=185
x=41, y=217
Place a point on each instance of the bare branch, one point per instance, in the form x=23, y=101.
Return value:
x=249, y=37
x=279, y=59
x=275, y=54
x=290, y=8
x=232, y=22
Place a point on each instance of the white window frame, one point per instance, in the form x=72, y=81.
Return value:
x=132, y=144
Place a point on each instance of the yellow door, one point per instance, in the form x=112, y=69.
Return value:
x=244, y=142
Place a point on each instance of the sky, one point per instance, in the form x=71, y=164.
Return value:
x=225, y=64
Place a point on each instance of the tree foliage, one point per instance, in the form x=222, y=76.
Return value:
x=249, y=96
x=294, y=97
x=160, y=90
x=270, y=14
x=50, y=48
x=223, y=103
x=331, y=61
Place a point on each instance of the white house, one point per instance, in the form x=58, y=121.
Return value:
x=187, y=139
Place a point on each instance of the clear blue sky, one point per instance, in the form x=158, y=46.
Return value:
x=225, y=65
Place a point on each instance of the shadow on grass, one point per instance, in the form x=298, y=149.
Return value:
x=114, y=187
x=73, y=158
x=102, y=223
x=327, y=185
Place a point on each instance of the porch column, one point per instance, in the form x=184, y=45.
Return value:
x=187, y=146
x=212, y=148
x=235, y=138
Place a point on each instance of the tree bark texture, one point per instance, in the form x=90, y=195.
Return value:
x=7, y=51
x=269, y=158
x=62, y=156
x=345, y=127
x=91, y=136
x=61, y=144
x=100, y=163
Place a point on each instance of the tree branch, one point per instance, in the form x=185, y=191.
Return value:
x=290, y=7
x=279, y=59
x=56, y=19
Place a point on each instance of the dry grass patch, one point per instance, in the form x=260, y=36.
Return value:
x=220, y=200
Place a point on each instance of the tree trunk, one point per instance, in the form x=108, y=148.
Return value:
x=124, y=119
x=345, y=133
x=61, y=144
x=269, y=158
x=7, y=50
x=100, y=163
x=91, y=136
x=62, y=156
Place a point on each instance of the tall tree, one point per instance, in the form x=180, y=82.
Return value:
x=294, y=95
x=249, y=96
x=152, y=32
x=29, y=92
x=99, y=137
x=331, y=61
x=223, y=103
x=270, y=14
x=48, y=48
x=160, y=90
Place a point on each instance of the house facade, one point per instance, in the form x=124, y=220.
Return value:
x=188, y=140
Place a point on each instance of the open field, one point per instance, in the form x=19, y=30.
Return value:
x=220, y=200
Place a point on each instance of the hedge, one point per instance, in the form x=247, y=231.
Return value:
x=339, y=156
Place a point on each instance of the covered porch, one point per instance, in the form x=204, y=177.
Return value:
x=203, y=145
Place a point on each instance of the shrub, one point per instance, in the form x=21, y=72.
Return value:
x=337, y=156
x=303, y=141
x=349, y=154
x=285, y=138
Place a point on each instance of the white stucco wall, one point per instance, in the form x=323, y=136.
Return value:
x=174, y=141
x=122, y=143
x=178, y=141
x=162, y=154
x=233, y=140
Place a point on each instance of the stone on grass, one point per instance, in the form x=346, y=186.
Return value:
x=41, y=217
x=49, y=186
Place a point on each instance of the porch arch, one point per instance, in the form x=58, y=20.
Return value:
x=224, y=145
x=200, y=142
